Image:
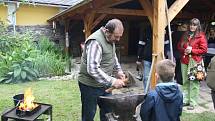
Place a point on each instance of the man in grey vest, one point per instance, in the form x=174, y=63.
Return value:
x=98, y=62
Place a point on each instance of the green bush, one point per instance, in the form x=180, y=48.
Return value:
x=49, y=64
x=45, y=45
x=50, y=61
x=24, y=59
x=20, y=73
x=17, y=62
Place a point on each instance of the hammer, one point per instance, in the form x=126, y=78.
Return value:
x=129, y=80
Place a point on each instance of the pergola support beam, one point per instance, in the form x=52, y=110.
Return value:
x=88, y=20
x=176, y=8
x=98, y=20
x=147, y=6
x=158, y=35
x=130, y=12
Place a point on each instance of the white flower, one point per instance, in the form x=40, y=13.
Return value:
x=199, y=68
x=192, y=78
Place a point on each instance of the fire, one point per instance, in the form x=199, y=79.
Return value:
x=28, y=103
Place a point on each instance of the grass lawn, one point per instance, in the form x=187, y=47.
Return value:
x=65, y=99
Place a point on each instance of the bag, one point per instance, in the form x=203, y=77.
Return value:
x=210, y=80
x=196, y=71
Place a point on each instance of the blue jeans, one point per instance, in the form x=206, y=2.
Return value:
x=90, y=99
x=146, y=70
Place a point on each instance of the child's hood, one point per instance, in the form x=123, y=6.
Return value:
x=168, y=91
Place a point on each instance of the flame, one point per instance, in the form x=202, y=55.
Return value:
x=28, y=103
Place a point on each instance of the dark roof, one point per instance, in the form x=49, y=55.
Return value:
x=51, y=2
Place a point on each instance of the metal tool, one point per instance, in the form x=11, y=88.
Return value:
x=129, y=81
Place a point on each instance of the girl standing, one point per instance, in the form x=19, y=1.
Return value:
x=192, y=45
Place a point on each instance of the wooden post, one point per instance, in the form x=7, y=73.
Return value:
x=88, y=21
x=159, y=24
x=67, y=43
x=66, y=28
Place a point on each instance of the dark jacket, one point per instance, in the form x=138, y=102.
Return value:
x=148, y=47
x=144, y=51
x=140, y=50
x=176, y=36
x=163, y=104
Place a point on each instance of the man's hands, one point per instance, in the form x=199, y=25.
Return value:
x=120, y=75
x=119, y=82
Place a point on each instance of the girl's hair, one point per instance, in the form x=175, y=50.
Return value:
x=194, y=22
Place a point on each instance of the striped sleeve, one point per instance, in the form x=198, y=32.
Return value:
x=94, y=56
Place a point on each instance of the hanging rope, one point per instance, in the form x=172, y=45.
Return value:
x=169, y=31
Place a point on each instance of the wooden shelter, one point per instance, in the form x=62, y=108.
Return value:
x=158, y=12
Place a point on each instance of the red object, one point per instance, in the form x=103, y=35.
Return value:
x=198, y=44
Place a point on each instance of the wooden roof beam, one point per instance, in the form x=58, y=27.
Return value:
x=98, y=20
x=209, y=4
x=147, y=6
x=128, y=12
x=107, y=3
x=88, y=21
x=175, y=8
x=115, y=2
x=188, y=15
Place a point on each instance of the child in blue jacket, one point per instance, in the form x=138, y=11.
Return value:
x=166, y=101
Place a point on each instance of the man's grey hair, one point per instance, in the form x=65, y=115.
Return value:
x=112, y=24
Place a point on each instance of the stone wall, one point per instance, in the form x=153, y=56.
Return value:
x=76, y=36
x=40, y=30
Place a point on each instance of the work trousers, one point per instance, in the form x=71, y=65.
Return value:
x=90, y=99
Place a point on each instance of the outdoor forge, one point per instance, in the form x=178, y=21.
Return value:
x=27, y=106
x=107, y=60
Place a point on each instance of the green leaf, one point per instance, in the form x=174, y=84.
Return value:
x=10, y=73
x=30, y=78
x=17, y=72
x=8, y=80
x=26, y=68
x=23, y=75
x=31, y=71
x=2, y=80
